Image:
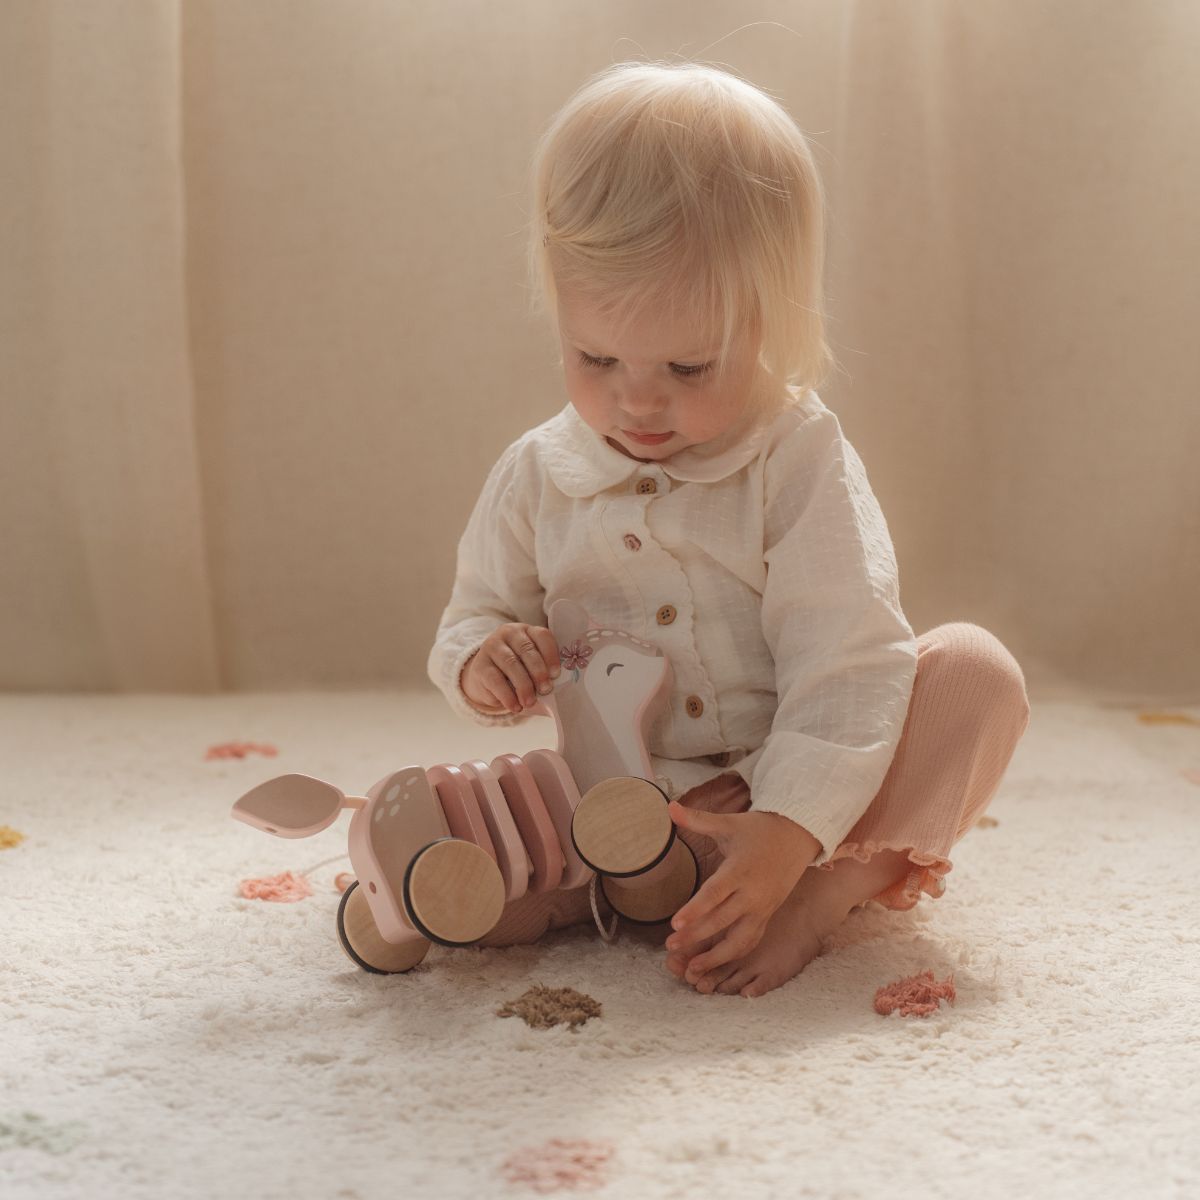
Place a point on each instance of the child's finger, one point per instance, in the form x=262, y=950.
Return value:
x=718, y=919
x=741, y=937
x=713, y=825
x=713, y=893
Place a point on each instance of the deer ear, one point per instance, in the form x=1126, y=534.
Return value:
x=569, y=621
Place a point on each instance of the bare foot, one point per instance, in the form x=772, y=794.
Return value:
x=793, y=938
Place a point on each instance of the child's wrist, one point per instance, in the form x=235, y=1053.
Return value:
x=797, y=834
x=485, y=710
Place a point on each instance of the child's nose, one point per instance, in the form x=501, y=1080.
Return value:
x=641, y=396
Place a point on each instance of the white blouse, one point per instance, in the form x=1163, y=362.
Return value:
x=760, y=563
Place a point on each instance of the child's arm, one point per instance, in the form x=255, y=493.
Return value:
x=845, y=661
x=496, y=582
x=845, y=655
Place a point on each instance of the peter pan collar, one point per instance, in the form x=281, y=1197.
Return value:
x=582, y=463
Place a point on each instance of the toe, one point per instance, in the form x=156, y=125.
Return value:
x=734, y=982
x=714, y=980
x=765, y=980
x=676, y=964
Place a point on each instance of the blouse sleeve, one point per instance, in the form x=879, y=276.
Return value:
x=495, y=582
x=845, y=655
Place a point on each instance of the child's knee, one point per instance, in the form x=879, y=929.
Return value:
x=979, y=670
x=727, y=793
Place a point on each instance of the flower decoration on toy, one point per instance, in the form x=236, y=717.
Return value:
x=575, y=658
x=438, y=851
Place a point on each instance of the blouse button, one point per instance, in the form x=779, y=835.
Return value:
x=695, y=706
x=647, y=487
x=666, y=614
x=632, y=543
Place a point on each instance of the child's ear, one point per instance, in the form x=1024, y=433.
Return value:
x=569, y=622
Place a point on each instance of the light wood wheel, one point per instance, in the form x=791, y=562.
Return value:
x=658, y=894
x=453, y=892
x=361, y=940
x=621, y=826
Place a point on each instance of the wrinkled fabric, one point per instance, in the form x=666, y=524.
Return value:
x=760, y=563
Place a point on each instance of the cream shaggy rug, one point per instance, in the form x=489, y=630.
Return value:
x=164, y=1037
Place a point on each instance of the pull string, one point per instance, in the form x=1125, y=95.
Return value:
x=323, y=863
x=611, y=934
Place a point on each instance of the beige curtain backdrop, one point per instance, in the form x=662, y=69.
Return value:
x=264, y=324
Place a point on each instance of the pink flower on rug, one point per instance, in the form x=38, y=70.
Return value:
x=239, y=750
x=560, y=1164
x=916, y=996
x=283, y=889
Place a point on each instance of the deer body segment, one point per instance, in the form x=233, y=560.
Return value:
x=438, y=851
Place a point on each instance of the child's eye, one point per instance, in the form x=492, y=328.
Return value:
x=685, y=370
x=589, y=361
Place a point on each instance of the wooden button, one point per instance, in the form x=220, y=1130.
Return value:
x=695, y=706
x=647, y=487
x=632, y=543
x=666, y=614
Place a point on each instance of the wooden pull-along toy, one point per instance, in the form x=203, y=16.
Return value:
x=439, y=851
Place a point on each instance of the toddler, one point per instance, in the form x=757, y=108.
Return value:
x=696, y=492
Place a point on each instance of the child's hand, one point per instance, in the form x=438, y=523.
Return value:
x=765, y=855
x=513, y=662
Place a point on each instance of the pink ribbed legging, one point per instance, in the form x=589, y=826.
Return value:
x=968, y=710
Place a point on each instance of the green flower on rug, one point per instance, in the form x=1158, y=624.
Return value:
x=29, y=1129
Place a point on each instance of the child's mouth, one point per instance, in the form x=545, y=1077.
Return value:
x=651, y=439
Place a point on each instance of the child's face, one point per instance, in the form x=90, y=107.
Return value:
x=657, y=376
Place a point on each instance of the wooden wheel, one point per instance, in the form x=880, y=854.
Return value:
x=453, y=892
x=656, y=895
x=361, y=940
x=622, y=827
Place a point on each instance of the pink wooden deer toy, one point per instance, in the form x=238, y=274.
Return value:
x=438, y=851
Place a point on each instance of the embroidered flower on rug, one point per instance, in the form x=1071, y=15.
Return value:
x=560, y=1164
x=10, y=837
x=283, y=889
x=240, y=750
x=915, y=996
x=31, y=1129
x=543, y=1007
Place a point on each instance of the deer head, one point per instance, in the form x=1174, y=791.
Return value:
x=610, y=690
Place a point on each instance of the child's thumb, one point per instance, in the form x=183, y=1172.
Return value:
x=695, y=818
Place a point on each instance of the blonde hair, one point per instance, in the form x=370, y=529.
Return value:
x=682, y=184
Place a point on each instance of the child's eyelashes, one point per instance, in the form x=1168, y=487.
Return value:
x=684, y=370
x=589, y=361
